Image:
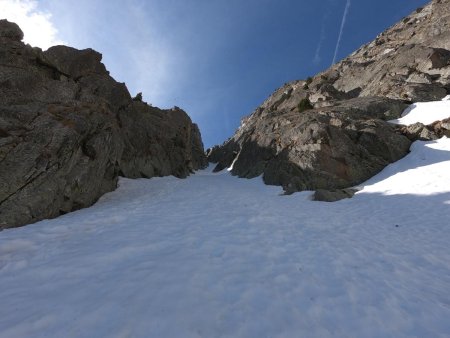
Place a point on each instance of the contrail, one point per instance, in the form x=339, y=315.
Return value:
x=344, y=19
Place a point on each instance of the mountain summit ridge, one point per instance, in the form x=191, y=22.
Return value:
x=330, y=131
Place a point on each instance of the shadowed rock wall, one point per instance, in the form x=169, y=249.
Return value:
x=68, y=129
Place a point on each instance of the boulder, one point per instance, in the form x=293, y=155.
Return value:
x=75, y=63
x=441, y=128
x=418, y=131
x=10, y=31
x=68, y=130
x=333, y=195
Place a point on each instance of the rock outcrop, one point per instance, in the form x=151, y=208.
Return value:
x=331, y=131
x=433, y=131
x=68, y=130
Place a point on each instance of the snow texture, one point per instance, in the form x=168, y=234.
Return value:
x=218, y=256
x=425, y=112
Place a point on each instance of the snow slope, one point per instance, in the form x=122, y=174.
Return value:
x=425, y=112
x=218, y=256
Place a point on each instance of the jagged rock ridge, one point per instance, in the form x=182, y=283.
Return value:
x=345, y=139
x=68, y=130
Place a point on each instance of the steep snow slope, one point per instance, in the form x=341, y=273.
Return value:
x=218, y=256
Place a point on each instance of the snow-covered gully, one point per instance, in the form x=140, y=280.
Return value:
x=218, y=256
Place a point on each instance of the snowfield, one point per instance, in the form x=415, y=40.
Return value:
x=218, y=256
x=425, y=112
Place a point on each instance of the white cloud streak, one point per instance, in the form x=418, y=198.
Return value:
x=341, y=31
x=317, y=57
x=36, y=25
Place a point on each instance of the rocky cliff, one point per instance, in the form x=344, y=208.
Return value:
x=330, y=131
x=68, y=130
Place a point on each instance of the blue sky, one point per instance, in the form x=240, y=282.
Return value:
x=217, y=59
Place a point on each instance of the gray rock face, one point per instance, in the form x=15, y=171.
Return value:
x=345, y=139
x=159, y=142
x=325, y=148
x=67, y=130
x=409, y=61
